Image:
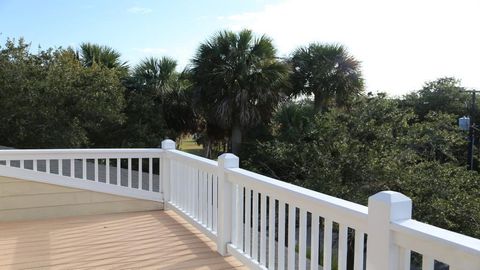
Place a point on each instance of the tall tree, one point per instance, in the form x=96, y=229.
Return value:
x=91, y=53
x=238, y=79
x=326, y=71
x=158, y=103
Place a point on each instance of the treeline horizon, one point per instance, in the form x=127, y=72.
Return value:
x=304, y=119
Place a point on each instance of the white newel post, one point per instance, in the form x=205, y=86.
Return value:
x=166, y=145
x=225, y=198
x=384, y=207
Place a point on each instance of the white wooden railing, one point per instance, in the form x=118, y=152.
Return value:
x=263, y=222
x=126, y=172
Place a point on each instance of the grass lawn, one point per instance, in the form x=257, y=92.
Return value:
x=189, y=145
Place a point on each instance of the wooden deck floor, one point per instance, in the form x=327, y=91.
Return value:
x=141, y=240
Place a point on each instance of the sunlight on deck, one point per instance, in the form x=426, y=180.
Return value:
x=146, y=240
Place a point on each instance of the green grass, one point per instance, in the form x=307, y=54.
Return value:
x=189, y=145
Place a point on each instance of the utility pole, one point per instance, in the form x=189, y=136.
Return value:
x=471, y=130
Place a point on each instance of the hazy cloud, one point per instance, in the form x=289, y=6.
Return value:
x=139, y=10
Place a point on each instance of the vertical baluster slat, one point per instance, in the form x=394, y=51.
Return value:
x=60, y=167
x=255, y=226
x=190, y=191
x=119, y=172
x=215, y=202
x=281, y=235
x=84, y=168
x=239, y=217
x=22, y=164
x=302, y=254
x=234, y=212
x=403, y=257
x=327, y=244
x=248, y=221
x=140, y=173
x=263, y=229
x=107, y=171
x=271, y=233
x=210, y=201
x=150, y=174
x=129, y=168
x=342, y=247
x=196, y=194
x=291, y=236
x=35, y=164
x=200, y=196
x=95, y=170
x=205, y=198
x=428, y=262
x=47, y=165
x=314, y=243
x=72, y=168
x=359, y=248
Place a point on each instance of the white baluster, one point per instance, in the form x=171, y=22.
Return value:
x=359, y=250
x=129, y=166
x=291, y=236
x=342, y=247
x=327, y=244
x=281, y=235
x=248, y=221
x=255, y=226
x=302, y=255
x=119, y=172
x=263, y=230
x=140, y=173
x=95, y=169
x=107, y=171
x=271, y=233
x=314, y=243
x=428, y=263
x=150, y=174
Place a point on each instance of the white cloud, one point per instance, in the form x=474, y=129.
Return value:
x=139, y=10
x=401, y=44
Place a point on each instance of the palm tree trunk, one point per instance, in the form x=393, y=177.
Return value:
x=236, y=138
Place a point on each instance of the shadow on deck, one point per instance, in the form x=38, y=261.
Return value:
x=139, y=240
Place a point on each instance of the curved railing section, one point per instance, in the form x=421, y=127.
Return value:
x=126, y=172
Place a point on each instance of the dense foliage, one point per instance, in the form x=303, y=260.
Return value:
x=305, y=119
x=375, y=145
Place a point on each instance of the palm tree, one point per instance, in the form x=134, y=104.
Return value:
x=328, y=72
x=238, y=80
x=157, y=74
x=101, y=55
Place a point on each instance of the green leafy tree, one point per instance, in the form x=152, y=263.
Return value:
x=238, y=79
x=49, y=99
x=441, y=95
x=326, y=71
x=377, y=145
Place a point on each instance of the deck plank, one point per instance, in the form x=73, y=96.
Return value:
x=146, y=240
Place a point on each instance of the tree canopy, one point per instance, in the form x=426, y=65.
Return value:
x=326, y=71
x=238, y=80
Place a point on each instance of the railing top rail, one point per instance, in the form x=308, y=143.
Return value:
x=180, y=154
x=300, y=196
x=49, y=153
x=442, y=238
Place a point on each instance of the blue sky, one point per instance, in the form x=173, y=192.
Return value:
x=401, y=44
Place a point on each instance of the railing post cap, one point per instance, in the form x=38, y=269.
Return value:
x=228, y=160
x=398, y=205
x=168, y=144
